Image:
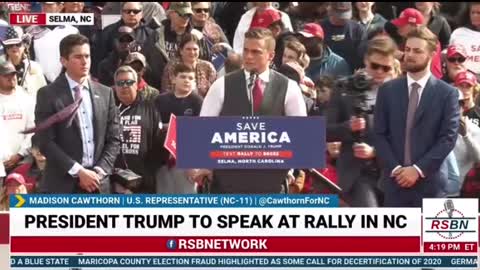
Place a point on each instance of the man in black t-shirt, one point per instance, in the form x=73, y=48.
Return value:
x=344, y=36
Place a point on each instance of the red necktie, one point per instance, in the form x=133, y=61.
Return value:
x=67, y=113
x=257, y=93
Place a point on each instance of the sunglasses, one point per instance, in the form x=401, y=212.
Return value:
x=126, y=39
x=185, y=16
x=130, y=11
x=376, y=66
x=456, y=59
x=125, y=83
x=200, y=10
x=13, y=45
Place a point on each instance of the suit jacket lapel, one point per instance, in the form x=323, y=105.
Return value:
x=403, y=99
x=67, y=99
x=96, y=104
x=425, y=99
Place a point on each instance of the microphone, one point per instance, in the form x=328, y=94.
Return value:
x=251, y=84
x=448, y=205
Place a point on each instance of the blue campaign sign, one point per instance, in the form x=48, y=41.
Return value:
x=250, y=142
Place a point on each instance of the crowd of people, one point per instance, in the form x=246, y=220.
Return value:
x=86, y=109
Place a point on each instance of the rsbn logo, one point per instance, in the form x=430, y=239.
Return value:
x=450, y=223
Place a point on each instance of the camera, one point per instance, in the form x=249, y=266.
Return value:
x=357, y=86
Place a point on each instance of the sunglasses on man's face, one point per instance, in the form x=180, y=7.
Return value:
x=132, y=11
x=376, y=66
x=125, y=83
x=200, y=10
x=456, y=59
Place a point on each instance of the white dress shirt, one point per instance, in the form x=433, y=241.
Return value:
x=422, y=82
x=213, y=102
x=85, y=117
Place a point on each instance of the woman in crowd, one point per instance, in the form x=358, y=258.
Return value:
x=435, y=22
x=13, y=184
x=364, y=13
x=29, y=73
x=454, y=63
x=468, y=35
x=188, y=54
x=467, y=147
x=467, y=83
x=202, y=21
x=32, y=170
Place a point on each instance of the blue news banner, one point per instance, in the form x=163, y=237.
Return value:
x=263, y=262
x=251, y=142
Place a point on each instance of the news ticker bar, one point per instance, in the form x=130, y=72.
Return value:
x=465, y=262
x=169, y=201
x=24, y=19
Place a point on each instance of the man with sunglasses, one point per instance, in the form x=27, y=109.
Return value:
x=138, y=62
x=358, y=167
x=132, y=16
x=141, y=130
x=124, y=43
x=163, y=46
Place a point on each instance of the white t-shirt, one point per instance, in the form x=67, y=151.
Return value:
x=47, y=52
x=17, y=114
x=470, y=39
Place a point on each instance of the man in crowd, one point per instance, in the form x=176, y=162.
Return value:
x=141, y=130
x=124, y=43
x=272, y=94
x=358, y=167
x=413, y=137
x=77, y=125
x=132, y=17
x=323, y=61
x=138, y=62
x=344, y=36
x=163, y=46
x=16, y=112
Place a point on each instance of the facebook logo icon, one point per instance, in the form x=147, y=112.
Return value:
x=172, y=244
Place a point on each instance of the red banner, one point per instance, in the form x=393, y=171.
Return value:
x=171, y=140
x=4, y=229
x=148, y=244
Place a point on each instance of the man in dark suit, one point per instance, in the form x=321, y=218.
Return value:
x=416, y=123
x=81, y=141
x=357, y=164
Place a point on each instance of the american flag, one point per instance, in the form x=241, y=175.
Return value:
x=11, y=37
x=134, y=134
